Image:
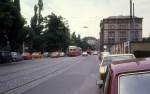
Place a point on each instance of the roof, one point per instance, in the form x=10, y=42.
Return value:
x=128, y=66
x=122, y=17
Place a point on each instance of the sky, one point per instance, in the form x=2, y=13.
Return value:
x=89, y=13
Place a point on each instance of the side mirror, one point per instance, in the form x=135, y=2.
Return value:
x=100, y=83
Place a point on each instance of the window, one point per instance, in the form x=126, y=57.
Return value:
x=123, y=33
x=122, y=26
x=138, y=83
x=123, y=39
x=111, y=34
x=111, y=26
x=111, y=40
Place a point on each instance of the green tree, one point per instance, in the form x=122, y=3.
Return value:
x=17, y=4
x=34, y=19
x=58, y=36
x=17, y=34
x=73, y=39
x=85, y=45
x=40, y=18
x=37, y=27
x=11, y=24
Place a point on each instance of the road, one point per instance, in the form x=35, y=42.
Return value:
x=66, y=75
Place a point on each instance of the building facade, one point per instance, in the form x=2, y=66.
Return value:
x=116, y=29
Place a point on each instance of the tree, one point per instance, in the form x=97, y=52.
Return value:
x=17, y=4
x=40, y=18
x=37, y=27
x=37, y=19
x=11, y=24
x=34, y=19
x=73, y=39
x=85, y=45
x=58, y=36
x=17, y=34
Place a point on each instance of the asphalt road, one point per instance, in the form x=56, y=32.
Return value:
x=66, y=75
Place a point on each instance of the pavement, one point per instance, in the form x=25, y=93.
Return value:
x=65, y=75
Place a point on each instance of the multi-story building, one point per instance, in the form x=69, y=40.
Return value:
x=116, y=29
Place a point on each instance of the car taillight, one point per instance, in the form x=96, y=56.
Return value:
x=102, y=72
x=103, y=69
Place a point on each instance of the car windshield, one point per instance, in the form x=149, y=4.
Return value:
x=109, y=59
x=138, y=83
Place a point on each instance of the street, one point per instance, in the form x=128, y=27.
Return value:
x=65, y=75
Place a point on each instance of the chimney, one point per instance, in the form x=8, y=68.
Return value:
x=131, y=8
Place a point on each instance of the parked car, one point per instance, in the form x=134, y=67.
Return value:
x=16, y=56
x=84, y=53
x=46, y=54
x=102, y=54
x=54, y=54
x=36, y=55
x=61, y=54
x=95, y=53
x=5, y=57
x=108, y=59
x=26, y=56
x=127, y=77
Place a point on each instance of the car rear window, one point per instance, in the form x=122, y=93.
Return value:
x=138, y=83
x=109, y=59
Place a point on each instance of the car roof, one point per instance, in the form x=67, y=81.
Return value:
x=130, y=66
x=117, y=55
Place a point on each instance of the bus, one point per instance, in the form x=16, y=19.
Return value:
x=74, y=51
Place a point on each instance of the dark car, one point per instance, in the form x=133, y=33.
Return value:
x=16, y=56
x=5, y=57
x=128, y=77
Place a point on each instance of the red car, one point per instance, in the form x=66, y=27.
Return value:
x=26, y=56
x=128, y=77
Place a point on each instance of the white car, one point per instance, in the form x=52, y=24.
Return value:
x=84, y=54
x=108, y=59
x=45, y=54
x=102, y=54
x=95, y=53
x=54, y=54
x=61, y=54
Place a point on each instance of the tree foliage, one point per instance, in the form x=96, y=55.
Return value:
x=77, y=41
x=11, y=24
x=57, y=33
x=37, y=27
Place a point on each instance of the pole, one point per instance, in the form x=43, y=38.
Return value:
x=134, y=31
x=23, y=48
x=130, y=30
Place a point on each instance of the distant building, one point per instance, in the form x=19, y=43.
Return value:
x=116, y=29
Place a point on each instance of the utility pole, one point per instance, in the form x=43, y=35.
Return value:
x=134, y=32
x=130, y=30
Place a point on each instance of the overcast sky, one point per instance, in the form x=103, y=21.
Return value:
x=88, y=13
